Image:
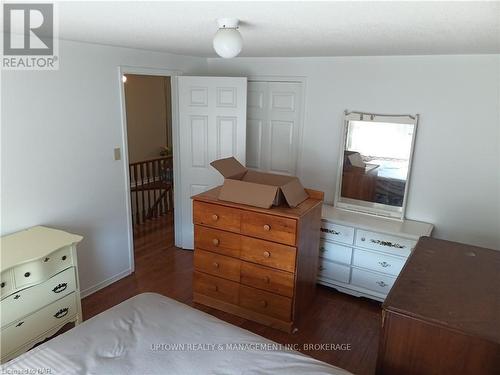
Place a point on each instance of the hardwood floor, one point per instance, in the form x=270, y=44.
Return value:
x=333, y=318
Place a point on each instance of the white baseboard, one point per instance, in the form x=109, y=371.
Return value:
x=87, y=292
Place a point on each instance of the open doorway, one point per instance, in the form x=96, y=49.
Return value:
x=148, y=107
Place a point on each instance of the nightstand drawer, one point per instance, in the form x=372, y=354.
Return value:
x=334, y=271
x=265, y=278
x=217, y=265
x=378, y=262
x=26, y=301
x=269, y=227
x=335, y=232
x=268, y=253
x=335, y=252
x=217, y=241
x=373, y=281
x=216, y=287
x=266, y=303
x=384, y=242
x=30, y=327
x=217, y=216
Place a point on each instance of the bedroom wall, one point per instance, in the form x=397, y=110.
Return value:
x=455, y=181
x=59, y=129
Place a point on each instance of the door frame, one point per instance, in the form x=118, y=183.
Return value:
x=292, y=79
x=124, y=69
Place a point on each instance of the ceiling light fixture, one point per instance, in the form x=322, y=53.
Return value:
x=227, y=41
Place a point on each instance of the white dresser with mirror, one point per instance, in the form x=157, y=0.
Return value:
x=365, y=238
x=39, y=287
x=361, y=254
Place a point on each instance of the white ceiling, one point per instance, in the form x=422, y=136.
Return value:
x=290, y=28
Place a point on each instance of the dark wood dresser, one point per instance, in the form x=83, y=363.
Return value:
x=260, y=264
x=442, y=315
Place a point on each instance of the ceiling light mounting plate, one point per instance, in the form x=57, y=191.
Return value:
x=228, y=23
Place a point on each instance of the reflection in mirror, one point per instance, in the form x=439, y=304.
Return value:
x=376, y=162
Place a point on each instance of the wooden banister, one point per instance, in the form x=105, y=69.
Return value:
x=151, y=187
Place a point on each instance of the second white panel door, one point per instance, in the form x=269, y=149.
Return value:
x=274, y=116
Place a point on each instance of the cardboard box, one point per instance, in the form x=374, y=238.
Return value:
x=258, y=189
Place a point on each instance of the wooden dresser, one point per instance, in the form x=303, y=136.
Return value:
x=260, y=264
x=39, y=287
x=443, y=314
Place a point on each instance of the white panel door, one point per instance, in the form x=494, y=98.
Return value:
x=274, y=120
x=212, y=125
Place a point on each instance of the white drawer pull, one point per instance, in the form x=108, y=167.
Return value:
x=267, y=227
x=387, y=243
x=267, y=254
x=61, y=313
x=382, y=284
x=215, y=217
x=331, y=231
x=215, y=241
x=60, y=288
x=384, y=264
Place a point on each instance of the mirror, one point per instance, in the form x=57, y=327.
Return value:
x=375, y=163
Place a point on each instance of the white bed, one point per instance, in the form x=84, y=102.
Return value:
x=153, y=334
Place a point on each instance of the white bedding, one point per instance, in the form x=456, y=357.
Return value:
x=153, y=334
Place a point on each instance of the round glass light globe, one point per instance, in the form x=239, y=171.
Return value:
x=227, y=43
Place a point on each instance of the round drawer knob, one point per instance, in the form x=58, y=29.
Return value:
x=27, y=274
x=2, y=284
x=363, y=239
x=267, y=254
x=64, y=257
x=46, y=259
x=215, y=217
x=267, y=279
x=267, y=227
x=216, y=265
x=215, y=241
x=263, y=303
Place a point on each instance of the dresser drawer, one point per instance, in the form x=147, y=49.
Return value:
x=334, y=271
x=339, y=233
x=216, y=287
x=217, y=265
x=335, y=252
x=266, y=303
x=269, y=227
x=6, y=283
x=384, y=242
x=41, y=269
x=30, y=327
x=378, y=262
x=260, y=277
x=217, y=241
x=373, y=281
x=31, y=299
x=217, y=216
x=268, y=253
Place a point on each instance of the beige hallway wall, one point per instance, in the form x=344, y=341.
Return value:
x=148, y=115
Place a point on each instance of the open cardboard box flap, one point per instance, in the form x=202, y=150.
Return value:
x=257, y=188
